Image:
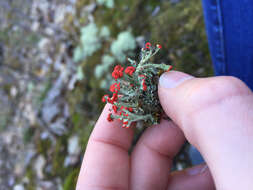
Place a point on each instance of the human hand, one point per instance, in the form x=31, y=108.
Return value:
x=214, y=114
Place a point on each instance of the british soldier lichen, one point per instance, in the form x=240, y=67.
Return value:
x=135, y=97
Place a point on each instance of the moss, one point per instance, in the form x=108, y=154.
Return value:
x=31, y=177
x=58, y=157
x=136, y=14
x=69, y=22
x=42, y=146
x=180, y=28
x=75, y=99
x=91, y=93
x=85, y=134
x=28, y=134
x=78, y=121
x=70, y=180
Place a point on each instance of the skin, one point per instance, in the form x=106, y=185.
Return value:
x=214, y=114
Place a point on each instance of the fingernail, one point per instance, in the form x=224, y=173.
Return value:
x=172, y=79
x=197, y=169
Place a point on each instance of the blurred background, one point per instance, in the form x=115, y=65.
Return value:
x=56, y=57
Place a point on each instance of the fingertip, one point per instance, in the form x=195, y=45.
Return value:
x=168, y=93
x=152, y=156
x=194, y=178
x=166, y=135
x=172, y=79
x=106, y=155
x=112, y=130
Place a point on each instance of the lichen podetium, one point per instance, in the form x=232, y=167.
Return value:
x=135, y=97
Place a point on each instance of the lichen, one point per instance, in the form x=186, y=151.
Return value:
x=124, y=44
x=107, y=3
x=135, y=97
x=107, y=62
x=90, y=42
x=79, y=73
x=105, y=32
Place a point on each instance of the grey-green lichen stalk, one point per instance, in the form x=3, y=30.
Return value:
x=135, y=96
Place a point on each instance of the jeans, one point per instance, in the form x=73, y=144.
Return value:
x=229, y=26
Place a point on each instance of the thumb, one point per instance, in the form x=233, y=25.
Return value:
x=215, y=115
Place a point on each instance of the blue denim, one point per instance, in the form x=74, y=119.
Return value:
x=229, y=26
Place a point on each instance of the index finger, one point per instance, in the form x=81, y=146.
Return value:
x=106, y=161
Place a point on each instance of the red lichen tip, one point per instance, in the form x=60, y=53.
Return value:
x=115, y=108
x=115, y=87
x=159, y=46
x=169, y=68
x=130, y=70
x=109, y=117
x=125, y=124
x=144, y=86
x=148, y=45
x=114, y=97
x=130, y=109
x=117, y=72
x=142, y=76
x=104, y=98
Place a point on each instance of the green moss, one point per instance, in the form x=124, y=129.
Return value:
x=84, y=135
x=77, y=120
x=31, y=177
x=58, y=157
x=180, y=28
x=28, y=134
x=70, y=180
x=43, y=146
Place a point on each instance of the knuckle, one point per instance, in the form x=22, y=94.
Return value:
x=213, y=90
x=205, y=93
x=233, y=84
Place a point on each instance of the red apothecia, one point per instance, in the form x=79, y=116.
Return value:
x=134, y=81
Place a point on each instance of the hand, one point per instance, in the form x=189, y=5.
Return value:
x=214, y=114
